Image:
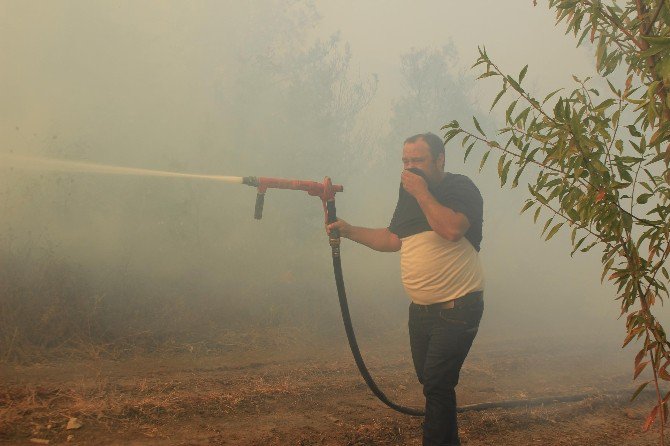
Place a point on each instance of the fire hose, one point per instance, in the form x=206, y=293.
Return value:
x=326, y=191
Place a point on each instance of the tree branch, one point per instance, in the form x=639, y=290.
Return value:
x=614, y=23
x=654, y=17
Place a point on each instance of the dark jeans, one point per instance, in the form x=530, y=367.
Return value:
x=440, y=340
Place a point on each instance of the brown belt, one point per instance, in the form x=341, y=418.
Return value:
x=468, y=299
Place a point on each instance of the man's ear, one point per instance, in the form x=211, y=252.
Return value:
x=440, y=160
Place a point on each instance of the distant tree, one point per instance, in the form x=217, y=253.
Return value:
x=600, y=162
x=431, y=89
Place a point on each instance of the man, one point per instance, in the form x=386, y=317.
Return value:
x=437, y=226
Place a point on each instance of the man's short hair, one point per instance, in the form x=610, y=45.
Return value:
x=434, y=143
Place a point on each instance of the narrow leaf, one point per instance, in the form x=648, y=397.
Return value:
x=639, y=368
x=650, y=419
x=639, y=390
x=523, y=73
x=484, y=158
x=553, y=231
x=478, y=126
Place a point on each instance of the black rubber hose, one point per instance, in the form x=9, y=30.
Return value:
x=351, y=337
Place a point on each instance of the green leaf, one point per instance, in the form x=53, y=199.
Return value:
x=639, y=390
x=558, y=108
x=467, y=151
x=633, y=131
x=514, y=84
x=589, y=246
x=606, y=269
x=528, y=205
x=643, y=198
x=478, y=126
x=546, y=225
x=576, y=247
x=554, y=230
x=604, y=105
x=484, y=158
x=501, y=164
x=640, y=368
x=450, y=135
x=508, y=113
x=627, y=221
x=450, y=125
x=505, y=173
x=613, y=89
x=495, y=101
x=550, y=95
x=523, y=73
x=601, y=51
x=522, y=116
x=488, y=74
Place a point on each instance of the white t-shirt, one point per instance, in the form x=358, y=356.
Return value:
x=435, y=269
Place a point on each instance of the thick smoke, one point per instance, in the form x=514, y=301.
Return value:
x=253, y=88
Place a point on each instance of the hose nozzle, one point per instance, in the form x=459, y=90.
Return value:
x=326, y=190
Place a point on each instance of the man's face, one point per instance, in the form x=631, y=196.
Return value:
x=417, y=154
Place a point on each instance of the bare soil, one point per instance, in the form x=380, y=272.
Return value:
x=280, y=389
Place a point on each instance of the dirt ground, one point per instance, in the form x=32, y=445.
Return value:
x=283, y=390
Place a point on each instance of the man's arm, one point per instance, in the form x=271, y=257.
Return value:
x=379, y=239
x=447, y=223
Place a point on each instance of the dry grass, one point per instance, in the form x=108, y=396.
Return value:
x=147, y=402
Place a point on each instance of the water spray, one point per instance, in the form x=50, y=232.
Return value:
x=56, y=165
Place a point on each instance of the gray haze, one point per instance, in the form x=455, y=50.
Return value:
x=282, y=88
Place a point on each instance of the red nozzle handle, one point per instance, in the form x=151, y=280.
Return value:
x=322, y=190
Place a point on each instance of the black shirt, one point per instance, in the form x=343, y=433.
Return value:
x=455, y=191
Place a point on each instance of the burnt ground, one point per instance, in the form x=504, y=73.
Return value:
x=280, y=389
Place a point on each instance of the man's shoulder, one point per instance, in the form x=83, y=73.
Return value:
x=456, y=180
x=451, y=177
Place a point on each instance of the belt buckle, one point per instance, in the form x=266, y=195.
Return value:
x=448, y=305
